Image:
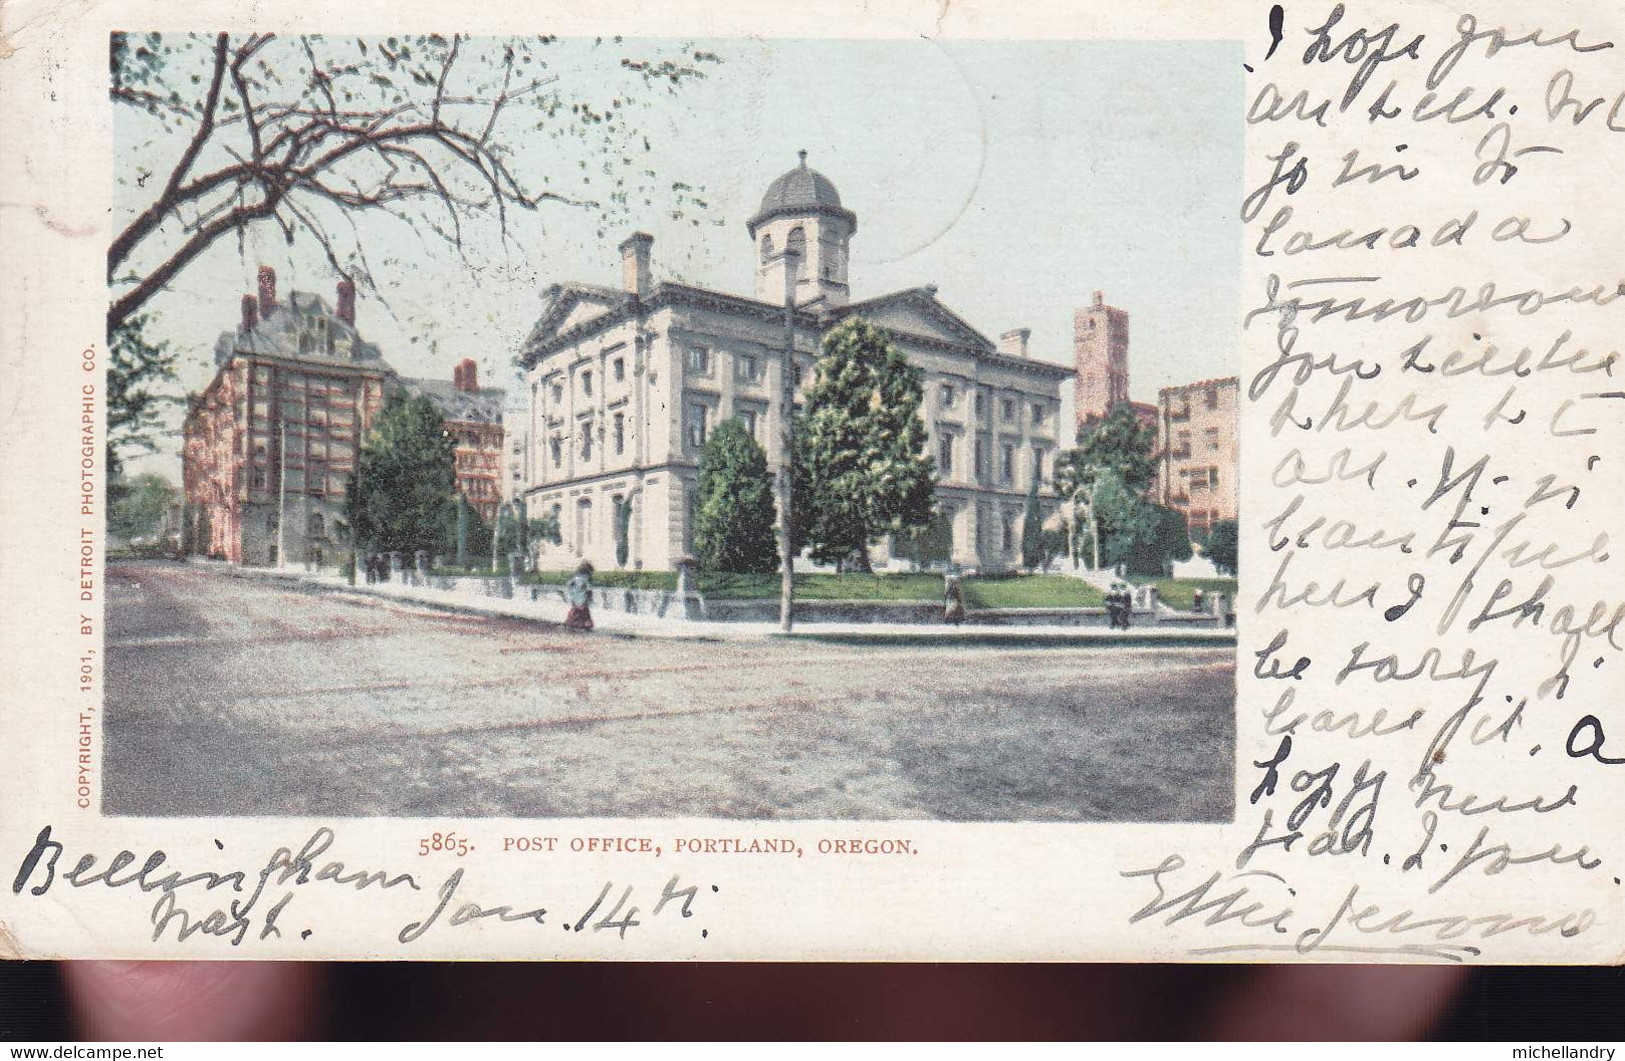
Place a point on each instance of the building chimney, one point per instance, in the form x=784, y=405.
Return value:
x=251, y=313
x=267, y=290
x=346, y=310
x=635, y=275
x=466, y=376
x=1100, y=300
x=1014, y=342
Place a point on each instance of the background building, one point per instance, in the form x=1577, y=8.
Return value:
x=626, y=385
x=270, y=444
x=474, y=419
x=1195, y=425
x=1198, y=465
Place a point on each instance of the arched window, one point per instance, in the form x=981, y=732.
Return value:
x=583, y=524
x=797, y=245
x=767, y=249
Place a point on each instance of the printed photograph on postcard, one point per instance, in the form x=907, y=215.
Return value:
x=921, y=483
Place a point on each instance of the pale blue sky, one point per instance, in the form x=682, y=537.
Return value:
x=1017, y=176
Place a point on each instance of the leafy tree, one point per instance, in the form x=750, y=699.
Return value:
x=927, y=545
x=1223, y=542
x=623, y=532
x=401, y=495
x=733, y=509
x=140, y=511
x=1116, y=450
x=1032, y=531
x=1142, y=536
x=310, y=134
x=544, y=528
x=1118, y=443
x=135, y=366
x=861, y=466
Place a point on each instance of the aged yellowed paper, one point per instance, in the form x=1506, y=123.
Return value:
x=902, y=481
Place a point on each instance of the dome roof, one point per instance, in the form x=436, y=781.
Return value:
x=801, y=190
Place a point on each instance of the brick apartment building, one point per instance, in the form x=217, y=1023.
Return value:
x=269, y=445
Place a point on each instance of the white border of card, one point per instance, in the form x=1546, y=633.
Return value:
x=1429, y=740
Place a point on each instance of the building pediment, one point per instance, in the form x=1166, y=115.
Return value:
x=918, y=312
x=570, y=306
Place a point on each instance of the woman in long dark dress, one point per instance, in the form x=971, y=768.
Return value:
x=953, y=596
x=578, y=593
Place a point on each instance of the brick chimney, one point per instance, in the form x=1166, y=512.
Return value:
x=251, y=313
x=635, y=274
x=346, y=301
x=466, y=376
x=267, y=290
x=1014, y=342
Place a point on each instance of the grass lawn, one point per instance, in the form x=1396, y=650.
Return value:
x=1031, y=591
x=1179, y=592
x=1025, y=591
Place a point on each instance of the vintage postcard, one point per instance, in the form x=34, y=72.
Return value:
x=866, y=481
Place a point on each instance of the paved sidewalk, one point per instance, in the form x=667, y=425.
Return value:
x=624, y=624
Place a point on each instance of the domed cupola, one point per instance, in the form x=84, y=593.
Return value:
x=802, y=228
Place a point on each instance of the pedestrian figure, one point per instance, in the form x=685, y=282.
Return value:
x=578, y=592
x=1118, y=603
x=953, y=596
x=1199, y=601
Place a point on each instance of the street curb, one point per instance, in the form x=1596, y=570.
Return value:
x=1015, y=637
x=932, y=636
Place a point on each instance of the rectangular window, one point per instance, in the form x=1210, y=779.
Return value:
x=945, y=456
x=747, y=369
x=1007, y=464
x=981, y=459
x=947, y=395
x=748, y=418
x=1007, y=410
x=620, y=369
x=1212, y=438
x=980, y=405
x=797, y=374
x=1009, y=535
x=556, y=445
x=1213, y=477
x=586, y=383
x=1213, y=397
x=586, y=440
x=558, y=393
x=620, y=434
x=696, y=424
x=699, y=360
x=1038, y=465
x=1038, y=415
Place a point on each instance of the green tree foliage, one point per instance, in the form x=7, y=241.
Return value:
x=928, y=545
x=544, y=528
x=1142, y=536
x=402, y=494
x=861, y=465
x=311, y=136
x=1117, y=443
x=136, y=368
x=623, y=531
x=1223, y=542
x=139, y=513
x=1032, y=531
x=733, y=509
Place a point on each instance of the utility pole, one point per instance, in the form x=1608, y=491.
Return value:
x=787, y=416
x=282, y=494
